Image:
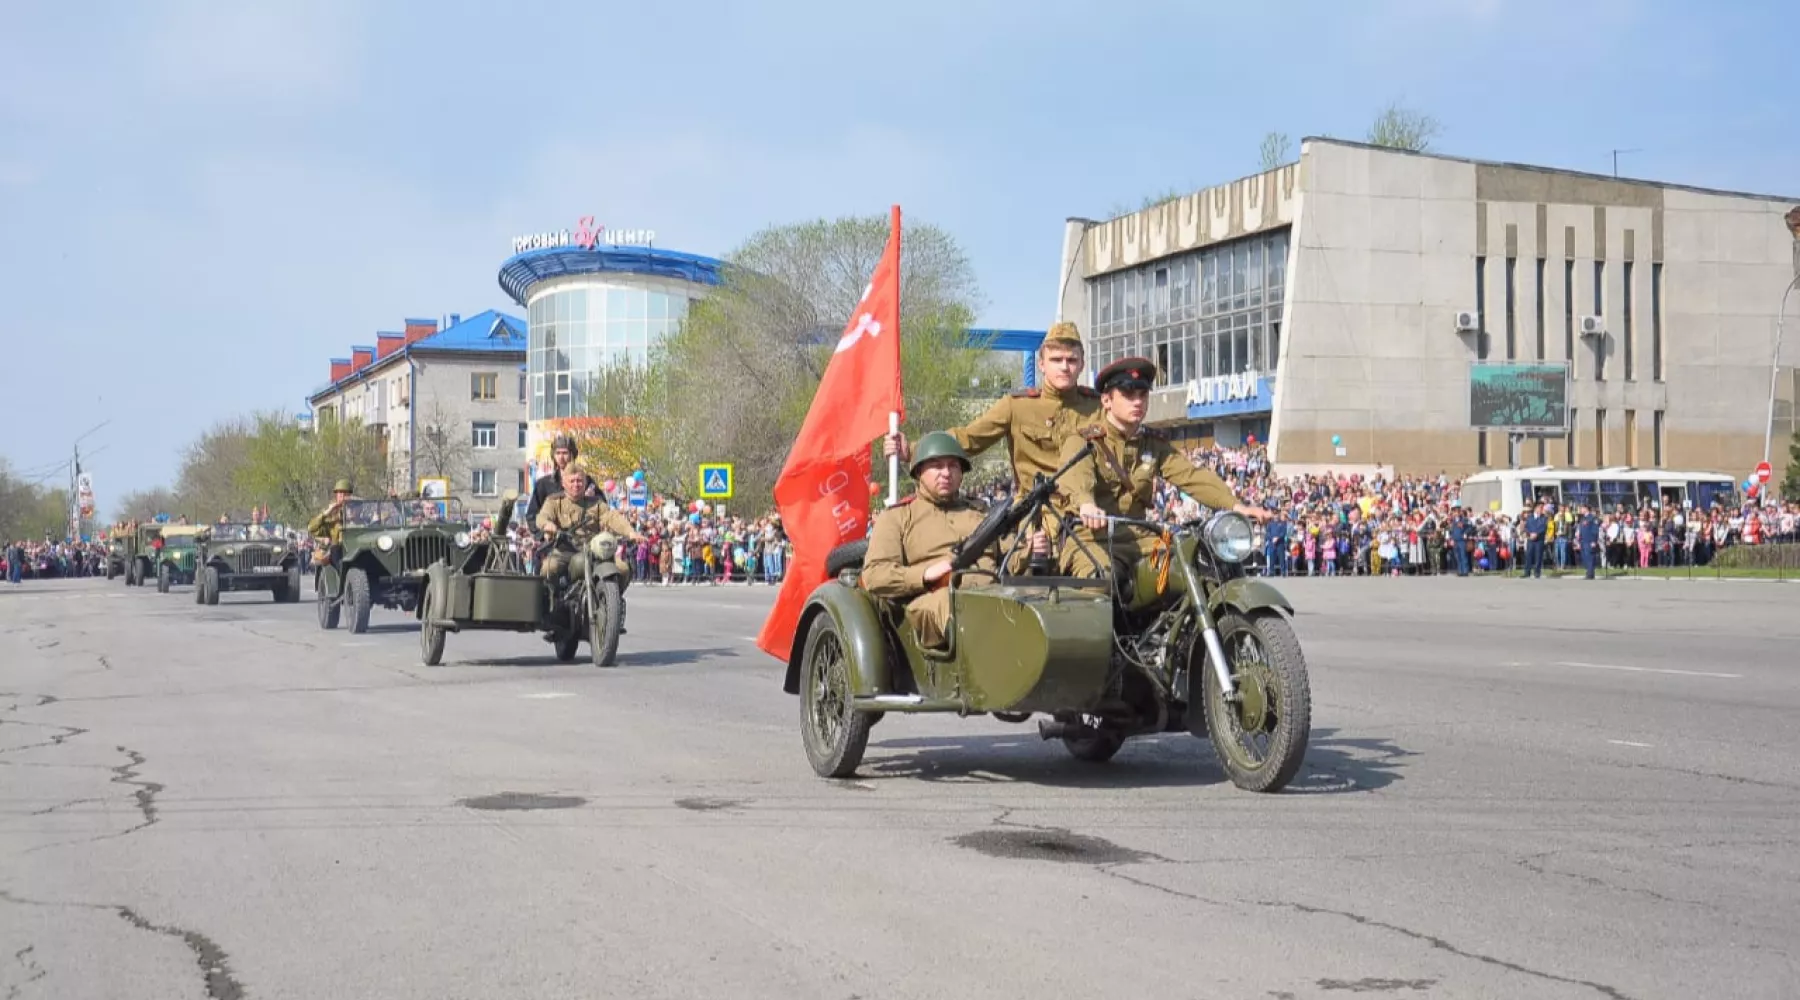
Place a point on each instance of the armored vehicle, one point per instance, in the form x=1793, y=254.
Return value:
x=176, y=562
x=388, y=545
x=234, y=557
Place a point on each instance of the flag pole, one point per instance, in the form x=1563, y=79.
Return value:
x=894, y=415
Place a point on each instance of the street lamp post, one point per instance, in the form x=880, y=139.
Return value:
x=1793, y=223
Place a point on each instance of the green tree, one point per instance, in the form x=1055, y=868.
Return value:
x=206, y=483
x=30, y=510
x=1401, y=127
x=1790, y=483
x=291, y=469
x=734, y=382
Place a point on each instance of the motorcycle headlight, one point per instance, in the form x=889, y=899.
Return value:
x=385, y=543
x=603, y=545
x=462, y=539
x=1230, y=536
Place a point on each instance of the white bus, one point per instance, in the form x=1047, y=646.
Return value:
x=1603, y=489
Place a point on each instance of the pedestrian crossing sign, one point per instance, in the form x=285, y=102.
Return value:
x=715, y=482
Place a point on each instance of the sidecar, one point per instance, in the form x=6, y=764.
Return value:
x=1019, y=645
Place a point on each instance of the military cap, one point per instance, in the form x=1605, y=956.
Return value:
x=938, y=444
x=1063, y=333
x=342, y=486
x=1126, y=373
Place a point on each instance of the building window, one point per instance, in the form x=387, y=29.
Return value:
x=486, y=436
x=1214, y=311
x=1630, y=334
x=1631, y=438
x=1569, y=314
x=1512, y=329
x=1656, y=438
x=521, y=387
x=1481, y=338
x=484, y=385
x=1542, y=346
x=1599, y=439
x=1481, y=448
x=1656, y=343
x=482, y=483
x=521, y=487
x=1600, y=310
x=522, y=431
x=575, y=332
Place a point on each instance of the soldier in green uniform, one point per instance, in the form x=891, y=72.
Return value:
x=1032, y=422
x=328, y=524
x=582, y=515
x=910, y=548
x=1119, y=478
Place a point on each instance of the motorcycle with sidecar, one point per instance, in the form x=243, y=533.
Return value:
x=1190, y=642
x=494, y=593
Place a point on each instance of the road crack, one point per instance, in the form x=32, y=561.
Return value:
x=126, y=774
x=1531, y=864
x=33, y=971
x=214, y=963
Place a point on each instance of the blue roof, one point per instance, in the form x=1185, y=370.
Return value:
x=1008, y=340
x=522, y=272
x=488, y=332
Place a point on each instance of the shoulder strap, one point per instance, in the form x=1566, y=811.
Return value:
x=1091, y=432
x=1024, y=394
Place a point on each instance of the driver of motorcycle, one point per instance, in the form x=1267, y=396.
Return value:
x=1119, y=478
x=911, y=546
x=582, y=516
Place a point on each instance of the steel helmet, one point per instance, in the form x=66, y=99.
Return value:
x=938, y=444
x=342, y=486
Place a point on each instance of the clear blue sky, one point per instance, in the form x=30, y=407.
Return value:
x=231, y=193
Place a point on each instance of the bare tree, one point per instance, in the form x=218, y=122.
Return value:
x=1276, y=150
x=1400, y=127
x=144, y=505
x=441, y=444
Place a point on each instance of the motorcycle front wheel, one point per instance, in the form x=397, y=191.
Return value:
x=1261, y=738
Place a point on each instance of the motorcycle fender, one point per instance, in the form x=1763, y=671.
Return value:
x=854, y=614
x=1245, y=595
x=330, y=582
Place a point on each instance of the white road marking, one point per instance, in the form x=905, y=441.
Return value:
x=1649, y=670
x=549, y=694
x=1628, y=743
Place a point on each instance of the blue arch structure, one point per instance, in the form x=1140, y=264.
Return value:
x=1024, y=342
x=523, y=272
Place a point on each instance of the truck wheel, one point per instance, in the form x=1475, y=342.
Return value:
x=328, y=611
x=200, y=585
x=291, y=594
x=357, y=598
x=209, y=582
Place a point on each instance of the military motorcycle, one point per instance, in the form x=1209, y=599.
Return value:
x=1189, y=642
x=495, y=593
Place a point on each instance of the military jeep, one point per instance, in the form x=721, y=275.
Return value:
x=236, y=557
x=177, y=561
x=388, y=545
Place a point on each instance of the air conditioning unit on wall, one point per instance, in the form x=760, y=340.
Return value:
x=1593, y=326
x=1468, y=321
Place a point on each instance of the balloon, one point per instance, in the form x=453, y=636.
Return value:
x=1250, y=439
x=1336, y=439
x=610, y=485
x=694, y=518
x=638, y=476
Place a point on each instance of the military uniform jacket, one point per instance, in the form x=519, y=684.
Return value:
x=1120, y=476
x=913, y=535
x=328, y=524
x=583, y=518
x=1034, y=423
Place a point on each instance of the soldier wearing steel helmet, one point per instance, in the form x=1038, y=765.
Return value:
x=911, y=546
x=1119, y=478
x=328, y=524
x=1034, y=423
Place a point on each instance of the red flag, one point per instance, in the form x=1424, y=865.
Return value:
x=823, y=491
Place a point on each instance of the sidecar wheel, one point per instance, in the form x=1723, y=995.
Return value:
x=1260, y=740
x=835, y=733
x=567, y=646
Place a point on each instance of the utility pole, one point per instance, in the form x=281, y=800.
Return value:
x=1616, y=153
x=75, y=483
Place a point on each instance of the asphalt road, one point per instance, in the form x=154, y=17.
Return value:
x=1515, y=789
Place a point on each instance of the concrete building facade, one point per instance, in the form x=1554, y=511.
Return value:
x=1335, y=308
x=450, y=403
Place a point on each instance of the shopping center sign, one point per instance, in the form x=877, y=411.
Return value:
x=586, y=236
x=1225, y=395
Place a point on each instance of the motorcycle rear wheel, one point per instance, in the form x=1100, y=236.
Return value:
x=1261, y=739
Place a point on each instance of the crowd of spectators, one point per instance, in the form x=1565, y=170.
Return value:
x=693, y=548
x=24, y=560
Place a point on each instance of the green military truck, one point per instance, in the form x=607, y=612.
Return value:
x=176, y=562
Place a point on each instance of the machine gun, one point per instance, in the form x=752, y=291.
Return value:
x=1004, y=519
